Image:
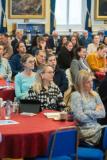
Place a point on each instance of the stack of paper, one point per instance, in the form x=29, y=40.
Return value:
x=7, y=122
x=27, y=114
x=54, y=115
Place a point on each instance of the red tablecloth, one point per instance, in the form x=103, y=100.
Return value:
x=7, y=93
x=29, y=138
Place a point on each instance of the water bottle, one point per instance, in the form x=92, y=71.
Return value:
x=7, y=83
x=8, y=109
x=15, y=105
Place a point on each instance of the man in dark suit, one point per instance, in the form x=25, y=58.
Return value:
x=54, y=42
x=15, y=62
x=18, y=38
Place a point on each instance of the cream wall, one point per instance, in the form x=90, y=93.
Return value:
x=96, y=25
x=12, y=22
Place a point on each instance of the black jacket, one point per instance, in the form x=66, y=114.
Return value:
x=60, y=79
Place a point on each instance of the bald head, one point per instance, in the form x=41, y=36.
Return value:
x=55, y=34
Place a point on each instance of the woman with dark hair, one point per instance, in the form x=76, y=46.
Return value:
x=34, y=45
x=65, y=56
x=78, y=63
x=105, y=41
x=74, y=40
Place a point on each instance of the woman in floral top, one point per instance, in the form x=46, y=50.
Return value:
x=46, y=91
x=87, y=107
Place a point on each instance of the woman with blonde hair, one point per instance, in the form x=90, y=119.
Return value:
x=87, y=107
x=46, y=91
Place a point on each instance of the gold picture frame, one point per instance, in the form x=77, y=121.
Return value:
x=100, y=9
x=26, y=9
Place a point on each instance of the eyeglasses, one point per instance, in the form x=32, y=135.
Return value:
x=89, y=81
x=31, y=62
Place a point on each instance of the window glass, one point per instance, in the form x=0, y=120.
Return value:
x=75, y=12
x=61, y=12
x=68, y=12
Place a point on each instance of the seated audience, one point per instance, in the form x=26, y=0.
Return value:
x=85, y=39
x=34, y=44
x=15, y=63
x=92, y=47
x=41, y=45
x=25, y=79
x=8, y=50
x=63, y=40
x=5, y=69
x=65, y=56
x=97, y=60
x=59, y=77
x=54, y=41
x=78, y=63
x=87, y=108
x=76, y=34
x=46, y=91
x=62, y=43
x=75, y=43
x=105, y=41
x=101, y=35
x=46, y=38
x=40, y=59
x=18, y=39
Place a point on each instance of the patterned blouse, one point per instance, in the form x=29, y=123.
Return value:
x=49, y=99
x=84, y=110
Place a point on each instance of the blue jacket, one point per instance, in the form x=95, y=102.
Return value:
x=15, y=64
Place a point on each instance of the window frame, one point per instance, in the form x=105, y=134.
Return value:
x=65, y=28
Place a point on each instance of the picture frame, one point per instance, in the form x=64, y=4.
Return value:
x=100, y=9
x=26, y=9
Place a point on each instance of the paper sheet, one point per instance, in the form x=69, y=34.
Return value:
x=7, y=122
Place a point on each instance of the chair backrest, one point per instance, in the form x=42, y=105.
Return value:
x=63, y=142
x=105, y=139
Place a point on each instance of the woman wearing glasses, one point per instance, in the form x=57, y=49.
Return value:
x=46, y=91
x=25, y=79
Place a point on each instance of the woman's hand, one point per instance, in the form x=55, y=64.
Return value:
x=98, y=107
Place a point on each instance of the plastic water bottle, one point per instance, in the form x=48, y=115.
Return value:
x=15, y=105
x=8, y=109
x=7, y=83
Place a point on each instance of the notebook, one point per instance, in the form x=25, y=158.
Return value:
x=29, y=106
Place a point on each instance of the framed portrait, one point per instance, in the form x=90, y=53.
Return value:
x=100, y=9
x=26, y=9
